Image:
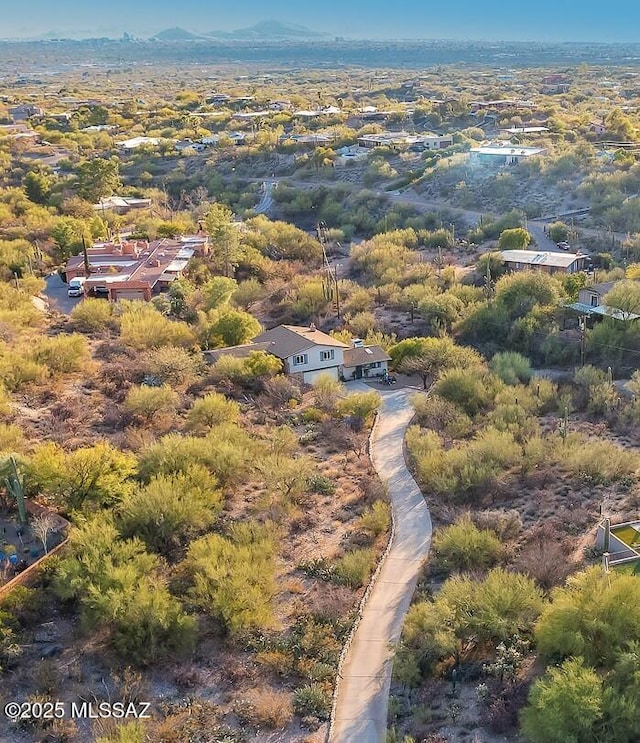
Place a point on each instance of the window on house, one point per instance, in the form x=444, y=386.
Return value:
x=327, y=355
x=594, y=300
x=375, y=365
x=300, y=359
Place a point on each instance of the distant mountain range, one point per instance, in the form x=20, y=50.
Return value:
x=263, y=31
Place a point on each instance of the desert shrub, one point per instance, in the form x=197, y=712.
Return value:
x=360, y=405
x=171, y=509
x=129, y=732
x=212, y=410
x=511, y=367
x=312, y=415
x=504, y=524
x=61, y=354
x=12, y=439
x=327, y=392
x=594, y=616
x=144, y=403
x=545, y=559
x=254, y=370
x=565, y=705
x=312, y=700
x=226, y=451
x=376, y=518
x=279, y=391
x=469, y=390
x=119, y=586
x=320, y=484
x=515, y=419
x=462, y=546
x=233, y=578
x=463, y=471
x=16, y=371
x=265, y=708
x=354, y=568
x=89, y=477
x=441, y=415
x=93, y=315
x=173, y=365
x=143, y=327
x=498, y=607
x=596, y=461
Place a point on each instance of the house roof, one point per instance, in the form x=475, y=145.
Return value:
x=603, y=310
x=600, y=289
x=537, y=258
x=238, y=352
x=288, y=340
x=364, y=355
x=508, y=150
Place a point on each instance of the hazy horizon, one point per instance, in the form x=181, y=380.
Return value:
x=545, y=21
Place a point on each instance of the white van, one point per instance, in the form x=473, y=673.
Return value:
x=76, y=286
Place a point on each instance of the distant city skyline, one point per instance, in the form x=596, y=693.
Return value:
x=492, y=20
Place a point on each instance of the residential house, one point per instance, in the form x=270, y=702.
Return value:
x=305, y=351
x=504, y=153
x=598, y=127
x=396, y=139
x=134, y=269
x=549, y=262
x=593, y=295
x=590, y=304
x=24, y=112
x=121, y=204
x=129, y=145
x=362, y=362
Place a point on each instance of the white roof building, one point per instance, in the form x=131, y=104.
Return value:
x=135, y=142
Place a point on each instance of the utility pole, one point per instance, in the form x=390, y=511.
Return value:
x=583, y=335
x=335, y=274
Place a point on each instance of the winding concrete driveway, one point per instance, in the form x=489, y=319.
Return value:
x=363, y=689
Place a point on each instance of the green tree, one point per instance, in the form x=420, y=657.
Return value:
x=218, y=291
x=514, y=239
x=625, y=296
x=97, y=178
x=559, y=231
x=512, y=367
x=360, y=405
x=228, y=327
x=565, y=705
x=519, y=293
x=429, y=357
x=93, y=476
x=594, y=616
x=224, y=238
x=143, y=327
x=462, y=546
x=37, y=186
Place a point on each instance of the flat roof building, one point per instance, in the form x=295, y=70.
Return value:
x=549, y=262
x=134, y=269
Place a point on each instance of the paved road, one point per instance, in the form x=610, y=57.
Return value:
x=542, y=240
x=266, y=202
x=56, y=292
x=363, y=691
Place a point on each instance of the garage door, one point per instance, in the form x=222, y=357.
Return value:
x=310, y=376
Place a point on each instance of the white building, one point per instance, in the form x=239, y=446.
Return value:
x=504, y=153
x=305, y=351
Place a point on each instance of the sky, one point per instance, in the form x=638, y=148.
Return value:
x=544, y=20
